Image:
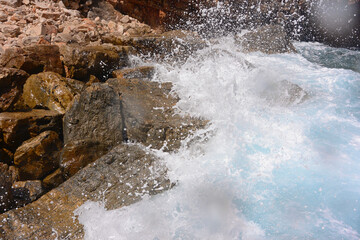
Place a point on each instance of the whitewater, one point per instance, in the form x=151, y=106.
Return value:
x=263, y=168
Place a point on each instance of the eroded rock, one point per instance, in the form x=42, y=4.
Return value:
x=38, y=156
x=144, y=72
x=8, y=176
x=11, y=85
x=25, y=192
x=120, y=178
x=53, y=180
x=50, y=90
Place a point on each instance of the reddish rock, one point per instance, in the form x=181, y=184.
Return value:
x=33, y=59
x=11, y=85
x=38, y=156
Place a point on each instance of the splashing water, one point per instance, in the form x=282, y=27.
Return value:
x=268, y=170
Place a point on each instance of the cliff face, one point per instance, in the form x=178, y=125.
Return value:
x=332, y=22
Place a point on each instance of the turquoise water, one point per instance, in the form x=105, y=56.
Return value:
x=269, y=170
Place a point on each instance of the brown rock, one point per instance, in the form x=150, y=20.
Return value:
x=53, y=180
x=10, y=30
x=6, y=156
x=96, y=115
x=50, y=90
x=38, y=156
x=27, y=191
x=17, y=127
x=11, y=85
x=77, y=154
x=145, y=72
x=268, y=39
x=33, y=59
x=81, y=62
x=108, y=179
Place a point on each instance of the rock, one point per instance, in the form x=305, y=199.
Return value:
x=7, y=178
x=11, y=85
x=6, y=156
x=10, y=30
x=53, y=180
x=120, y=178
x=16, y=127
x=25, y=192
x=77, y=154
x=104, y=10
x=285, y=93
x=50, y=90
x=81, y=62
x=269, y=39
x=149, y=116
x=38, y=156
x=174, y=45
x=95, y=114
x=11, y=3
x=33, y=59
x=145, y=72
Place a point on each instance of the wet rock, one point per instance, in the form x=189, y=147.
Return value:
x=50, y=90
x=285, y=93
x=25, y=192
x=95, y=114
x=145, y=72
x=6, y=156
x=77, y=154
x=268, y=39
x=120, y=178
x=7, y=178
x=11, y=85
x=38, y=156
x=33, y=59
x=81, y=62
x=149, y=116
x=53, y=180
x=16, y=127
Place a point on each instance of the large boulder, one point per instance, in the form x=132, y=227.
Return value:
x=95, y=114
x=149, y=115
x=38, y=156
x=268, y=39
x=77, y=154
x=81, y=62
x=11, y=85
x=120, y=178
x=50, y=90
x=16, y=127
x=33, y=59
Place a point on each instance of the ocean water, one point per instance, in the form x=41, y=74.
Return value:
x=264, y=168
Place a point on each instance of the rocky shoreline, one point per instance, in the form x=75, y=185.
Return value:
x=77, y=118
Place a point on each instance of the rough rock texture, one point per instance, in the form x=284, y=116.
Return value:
x=96, y=115
x=50, y=90
x=81, y=62
x=8, y=176
x=269, y=39
x=149, y=115
x=11, y=85
x=77, y=154
x=118, y=177
x=145, y=72
x=38, y=156
x=25, y=192
x=17, y=127
x=33, y=59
